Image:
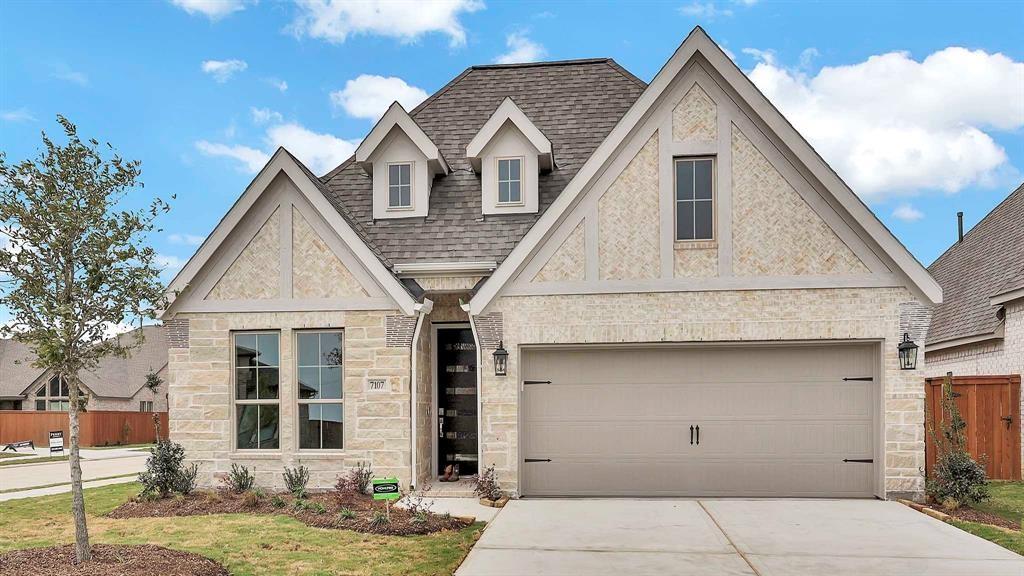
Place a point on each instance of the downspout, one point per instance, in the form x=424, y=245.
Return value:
x=421, y=312
x=479, y=386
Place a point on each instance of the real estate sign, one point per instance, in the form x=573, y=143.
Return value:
x=56, y=441
x=386, y=489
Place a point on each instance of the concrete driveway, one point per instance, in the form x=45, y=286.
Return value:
x=729, y=537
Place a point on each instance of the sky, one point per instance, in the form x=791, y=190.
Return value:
x=918, y=106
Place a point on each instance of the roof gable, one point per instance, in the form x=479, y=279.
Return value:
x=766, y=122
x=397, y=118
x=507, y=111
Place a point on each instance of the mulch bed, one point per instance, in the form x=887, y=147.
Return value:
x=971, y=515
x=108, y=560
x=403, y=522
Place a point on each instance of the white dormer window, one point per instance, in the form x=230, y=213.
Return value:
x=510, y=180
x=399, y=186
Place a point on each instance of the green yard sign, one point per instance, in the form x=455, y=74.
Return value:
x=386, y=489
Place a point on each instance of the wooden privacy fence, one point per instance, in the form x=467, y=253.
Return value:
x=990, y=406
x=96, y=428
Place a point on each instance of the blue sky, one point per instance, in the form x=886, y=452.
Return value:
x=920, y=107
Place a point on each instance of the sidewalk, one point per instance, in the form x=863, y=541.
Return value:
x=34, y=492
x=97, y=464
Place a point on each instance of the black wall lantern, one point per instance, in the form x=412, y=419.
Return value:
x=500, y=360
x=908, y=353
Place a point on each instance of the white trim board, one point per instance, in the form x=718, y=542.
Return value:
x=508, y=111
x=815, y=170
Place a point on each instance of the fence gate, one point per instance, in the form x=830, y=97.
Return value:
x=990, y=405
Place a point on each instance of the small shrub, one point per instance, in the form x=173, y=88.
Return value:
x=379, y=520
x=346, y=513
x=955, y=476
x=419, y=501
x=419, y=518
x=277, y=502
x=239, y=480
x=950, y=504
x=298, y=505
x=355, y=480
x=295, y=479
x=165, y=471
x=317, y=507
x=252, y=498
x=487, y=485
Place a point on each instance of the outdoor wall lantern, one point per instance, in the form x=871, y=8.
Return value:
x=908, y=353
x=500, y=360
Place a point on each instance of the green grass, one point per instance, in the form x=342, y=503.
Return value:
x=63, y=483
x=138, y=447
x=4, y=455
x=246, y=544
x=1010, y=540
x=1007, y=501
x=34, y=460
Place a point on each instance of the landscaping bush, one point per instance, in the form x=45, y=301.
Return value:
x=346, y=513
x=277, y=502
x=487, y=486
x=295, y=479
x=379, y=520
x=166, y=471
x=956, y=477
x=239, y=479
x=355, y=480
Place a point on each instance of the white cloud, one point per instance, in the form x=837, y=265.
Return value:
x=407, y=20
x=212, y=9
x=705, y=10
x=223, y=70
x=251, y=158
x=907, y=213
x=168, y=263
x=185, y=239
x=264, y=115
x=808, y=56
x=894, y=126
x=370, y=96
x=63, y=72
x=19, y=115
x=520, y=49
x=765, y=56
x=281, y=85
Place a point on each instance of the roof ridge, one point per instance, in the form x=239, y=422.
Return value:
x=570, y=62
x=973, y=229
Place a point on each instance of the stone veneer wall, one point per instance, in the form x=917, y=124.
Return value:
x=567, y=263
x=256, y=273
x=312, y=261
x=424, y=406
x=628, y=220
x=992, y=358
x=377, y=426
x=810, y=314
x=695, y=117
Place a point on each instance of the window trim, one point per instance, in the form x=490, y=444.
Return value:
x=714, y=202
x=235, y=401
x=498, y=181
x=298, y=401
x=47, y=398
x=412, y=186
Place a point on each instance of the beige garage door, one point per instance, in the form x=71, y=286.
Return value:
x=710, y=421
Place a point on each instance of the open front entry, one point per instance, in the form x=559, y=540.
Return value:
x=456, y=401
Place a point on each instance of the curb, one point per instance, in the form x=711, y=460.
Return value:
x=943, y=517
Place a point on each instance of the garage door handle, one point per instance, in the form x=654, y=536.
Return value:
x=859, y=379
x=537, y=460
x=529, y=382
x=691, y=435
x=698, y=434
x=860, y=460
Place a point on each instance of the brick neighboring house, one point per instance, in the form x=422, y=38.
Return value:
x=117, y=384
x=978, y=330
x=691, y=301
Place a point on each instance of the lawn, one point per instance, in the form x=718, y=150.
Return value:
x=245, y=544
x=137, y=447
x=4, y=455
x=1007, y=501
x=13, y=462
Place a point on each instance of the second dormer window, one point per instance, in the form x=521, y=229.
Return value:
x=510, y=181
x=400, y=185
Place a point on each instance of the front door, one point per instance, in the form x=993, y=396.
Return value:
x=456, y=400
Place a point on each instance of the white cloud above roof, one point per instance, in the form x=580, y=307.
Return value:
x=907, y=213
x=406, y=20
x=520, y=49
x=369, y=96
x=223, y=70
x=320, y=152
x=893, y=126
x=212, y=9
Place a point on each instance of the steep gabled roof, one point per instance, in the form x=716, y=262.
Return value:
x=989, y=262
x=574, y=103
x=16, y=369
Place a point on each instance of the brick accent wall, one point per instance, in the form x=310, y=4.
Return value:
x=313, y=261
x=256, y=273
x=177, y=332
x=629, y=222
x=567, y=263
x=490, y=329
x=399, y=330
x=695, y=117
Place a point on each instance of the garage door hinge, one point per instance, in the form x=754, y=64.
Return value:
x=861, y=460
x=529, y=382
x=537, y=460
x=859, y=379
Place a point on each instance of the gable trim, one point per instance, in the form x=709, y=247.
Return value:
x=917, y=278
x=397, y=116
x=284, y=163
x=508, y=111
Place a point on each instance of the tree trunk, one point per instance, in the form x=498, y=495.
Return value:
x=82, y=550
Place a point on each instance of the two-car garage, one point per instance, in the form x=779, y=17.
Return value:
x=796, y=420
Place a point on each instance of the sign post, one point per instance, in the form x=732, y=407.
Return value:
x=56, y=441
x=386, y=489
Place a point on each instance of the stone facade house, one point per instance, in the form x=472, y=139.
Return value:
x=690, y=300
x=117, y=384
x=978, y=330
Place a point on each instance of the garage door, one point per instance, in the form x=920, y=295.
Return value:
x=794, y=421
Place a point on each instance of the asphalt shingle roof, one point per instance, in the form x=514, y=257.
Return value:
x=574, y=103
x=16, y=370
x=989, y=261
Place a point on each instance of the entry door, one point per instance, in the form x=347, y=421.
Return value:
x=713, y=421
x=456, y=400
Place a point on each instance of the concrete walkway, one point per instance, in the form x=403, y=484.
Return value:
x=729, y=538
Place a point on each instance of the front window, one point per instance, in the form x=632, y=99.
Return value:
x=257, y=377
x=510, y=182
x=400, y=186
x=695, y=211
x=319, y=365
x=53, y=396
x=145, y=406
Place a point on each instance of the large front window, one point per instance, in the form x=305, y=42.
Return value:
x=695, y=210
x=257, y=378
x=319, y=365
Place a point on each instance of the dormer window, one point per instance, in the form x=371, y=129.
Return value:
x=510, y=181
x=399, y=186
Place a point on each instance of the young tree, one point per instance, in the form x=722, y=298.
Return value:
x=76, y=263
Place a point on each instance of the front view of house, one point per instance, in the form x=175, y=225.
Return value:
x=692, y=303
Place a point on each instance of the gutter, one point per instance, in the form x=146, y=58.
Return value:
x=1007, y=296
x=421, y=312
x=414, y=269
x=998, y=334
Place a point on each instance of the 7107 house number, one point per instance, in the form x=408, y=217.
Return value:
x=377, y=385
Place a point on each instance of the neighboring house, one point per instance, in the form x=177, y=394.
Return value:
x=978, y=330
x=116, y=384
x=691, y=301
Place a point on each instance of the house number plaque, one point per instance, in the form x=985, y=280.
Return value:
x=377, y=386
